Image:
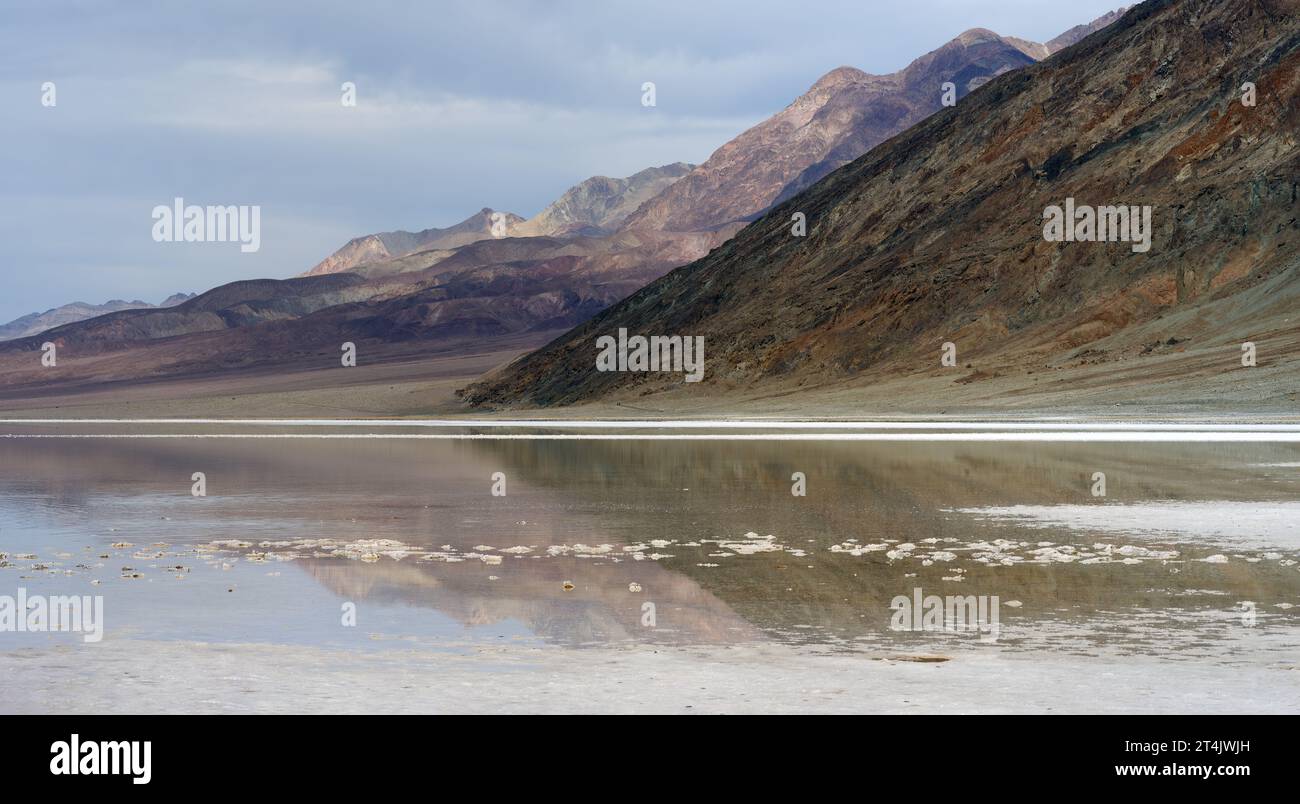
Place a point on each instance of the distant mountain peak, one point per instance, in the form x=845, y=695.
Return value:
x=839, y=77
x=176, y=298
x=1079, y=32
x=975, y=36
x=594, y=205
x=600, y=204
x=36, y=323
x=840, y=117
x=388, y=245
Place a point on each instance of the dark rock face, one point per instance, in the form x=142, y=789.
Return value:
x=937, y=235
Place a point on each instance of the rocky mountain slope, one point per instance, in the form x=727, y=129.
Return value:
x=600, y=204
x=842, y=116
x=938, y=235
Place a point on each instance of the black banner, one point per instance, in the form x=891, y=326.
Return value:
x=332, y=753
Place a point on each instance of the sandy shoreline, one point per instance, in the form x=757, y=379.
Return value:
x=1199, y=386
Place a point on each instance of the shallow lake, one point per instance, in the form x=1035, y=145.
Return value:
x=360, y=546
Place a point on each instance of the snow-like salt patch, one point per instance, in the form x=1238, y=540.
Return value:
x=1256, y=525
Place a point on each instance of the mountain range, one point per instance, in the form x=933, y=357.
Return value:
x=36, y=323
x=937, y=236
x=593, y=207
x=500, y=275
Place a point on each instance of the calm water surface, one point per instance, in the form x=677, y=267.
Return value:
x=1191, y=555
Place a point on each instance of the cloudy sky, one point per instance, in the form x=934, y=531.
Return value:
x=460, y=105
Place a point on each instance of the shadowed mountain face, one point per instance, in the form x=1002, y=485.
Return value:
x=938, y=235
